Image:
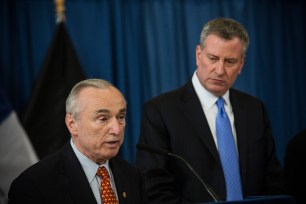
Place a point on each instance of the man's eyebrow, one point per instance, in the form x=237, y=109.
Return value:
x=102, y=111
x=123, y=110
x=234, y=59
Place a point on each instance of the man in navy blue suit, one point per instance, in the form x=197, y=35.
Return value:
x=183, y=121
x=95, y=117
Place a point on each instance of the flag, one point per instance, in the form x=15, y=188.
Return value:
x=16, y=150
x=44, y=118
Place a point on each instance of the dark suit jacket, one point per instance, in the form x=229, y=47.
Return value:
x=175, y=121
x=294, y=165
x=60, y=179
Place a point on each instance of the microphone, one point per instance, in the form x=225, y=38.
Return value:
x=164, y=152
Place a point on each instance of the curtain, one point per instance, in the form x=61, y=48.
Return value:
x=147, y=47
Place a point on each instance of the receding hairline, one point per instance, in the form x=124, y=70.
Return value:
x=71, y=102
x=227, y=29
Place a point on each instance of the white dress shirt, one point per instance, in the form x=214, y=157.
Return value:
x=209, y=106
x=90, y=168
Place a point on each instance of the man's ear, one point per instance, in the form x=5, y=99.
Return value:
x=241, y=65
x=198, y=53
x=71, y=124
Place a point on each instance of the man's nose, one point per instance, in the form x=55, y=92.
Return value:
x=115, y=127
x=220, y=67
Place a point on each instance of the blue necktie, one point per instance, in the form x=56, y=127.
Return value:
x=228, y=154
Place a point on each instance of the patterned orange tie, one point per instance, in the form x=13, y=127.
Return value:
x=108, y=195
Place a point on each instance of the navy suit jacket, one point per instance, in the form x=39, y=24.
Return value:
x=60, y=179
x=175, y=121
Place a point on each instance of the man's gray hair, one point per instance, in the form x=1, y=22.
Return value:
x=227, y=29
x=71, y=103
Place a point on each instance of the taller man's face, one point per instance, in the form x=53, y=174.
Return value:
x=219, y=63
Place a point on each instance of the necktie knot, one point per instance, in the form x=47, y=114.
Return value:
x=102, y=173
x=220, y=103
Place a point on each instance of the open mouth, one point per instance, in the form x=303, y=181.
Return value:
x=112, y=143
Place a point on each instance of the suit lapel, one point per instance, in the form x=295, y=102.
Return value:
x=189, y=105
x=197, y=119
x=122, y=189
x=241, y=131
x=75, y=178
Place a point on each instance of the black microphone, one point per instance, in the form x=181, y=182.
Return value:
x=163, y=152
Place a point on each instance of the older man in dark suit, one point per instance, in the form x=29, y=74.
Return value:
x=189, y=122
x=88, y=166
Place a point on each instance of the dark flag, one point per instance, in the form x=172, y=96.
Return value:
x=44, y=118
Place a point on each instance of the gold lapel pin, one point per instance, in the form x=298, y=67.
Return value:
x=124, y=194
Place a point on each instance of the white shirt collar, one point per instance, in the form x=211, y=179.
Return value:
x=90, y=168
x=207, y=99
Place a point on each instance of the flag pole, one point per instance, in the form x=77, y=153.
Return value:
x=60, y=11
